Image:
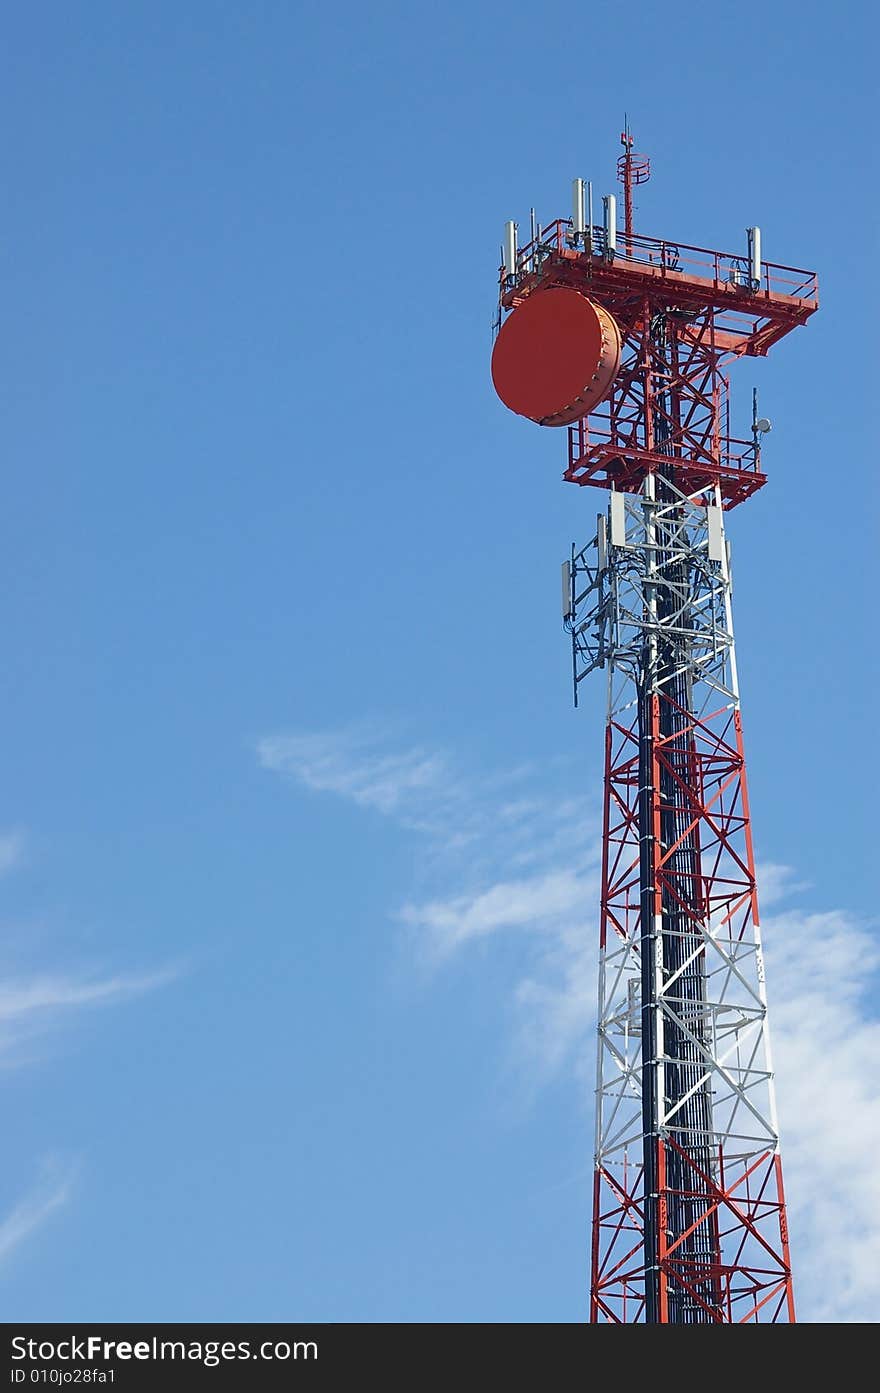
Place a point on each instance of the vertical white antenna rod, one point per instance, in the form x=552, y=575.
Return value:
x=610, y=205
x=590, y=218
x=754, y=236
x=578, y=210
x=510, y=248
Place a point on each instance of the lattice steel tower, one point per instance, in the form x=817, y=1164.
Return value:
x=624, y=340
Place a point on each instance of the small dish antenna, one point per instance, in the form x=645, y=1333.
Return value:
x=760, y=424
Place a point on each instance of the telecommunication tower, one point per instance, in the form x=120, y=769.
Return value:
x=625, y=341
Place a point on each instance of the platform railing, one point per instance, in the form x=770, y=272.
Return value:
x=664, y=257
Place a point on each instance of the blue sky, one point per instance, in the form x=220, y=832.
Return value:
x=298, y=825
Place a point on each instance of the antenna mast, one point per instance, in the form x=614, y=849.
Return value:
x=630, y=354
x=631, y=169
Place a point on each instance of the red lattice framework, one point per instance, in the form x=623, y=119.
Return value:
x=740, y=1198
x=710, y=319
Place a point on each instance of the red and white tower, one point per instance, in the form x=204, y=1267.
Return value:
x=626, y=343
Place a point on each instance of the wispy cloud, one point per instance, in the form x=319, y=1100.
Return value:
x=33, y=1006
x=12, y=845
x=469, y=822
x=51, y=1193
x=777, y=882
x=21, y=999
x=525, y=862
x=543, y=901
x=821, y=973
x=348, y=764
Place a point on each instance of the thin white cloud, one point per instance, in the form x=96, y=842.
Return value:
x=31, y=1007
x=12, y=845
x=25, y=998
x=542, y=900
x=422, y=791
x=557, y=1002
x=345, y=764
x=51, y=1193
x=777, y=882
x=821, y=972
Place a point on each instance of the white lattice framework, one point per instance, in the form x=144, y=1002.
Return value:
x=681, y=966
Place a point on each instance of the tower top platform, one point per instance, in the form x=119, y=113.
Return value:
x=747, y=315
